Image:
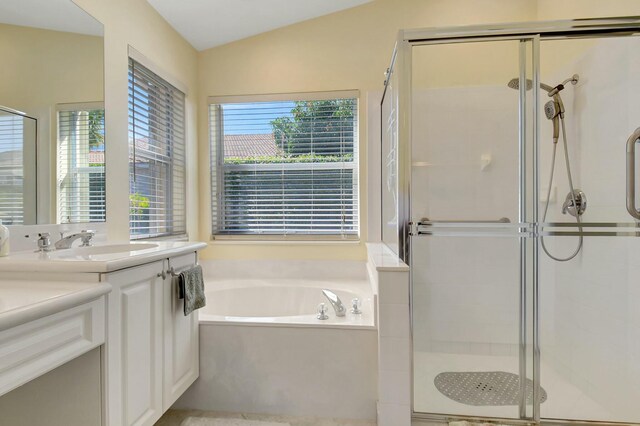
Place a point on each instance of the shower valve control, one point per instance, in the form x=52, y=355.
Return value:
x=575, y=204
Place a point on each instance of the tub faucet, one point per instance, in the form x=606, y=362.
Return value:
x=335, y=302
x=65, y=242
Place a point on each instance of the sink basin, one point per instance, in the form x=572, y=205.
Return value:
x=123, y=249
x=99, y=258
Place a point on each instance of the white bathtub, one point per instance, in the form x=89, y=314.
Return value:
x=262, y=349
x=285, y=302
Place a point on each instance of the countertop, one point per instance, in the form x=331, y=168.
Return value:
x=22, y=301
x=80, y=260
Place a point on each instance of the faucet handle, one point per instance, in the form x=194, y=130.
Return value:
x=86, y=238
x=355, y=306
x=322, y=312
x=44, y=242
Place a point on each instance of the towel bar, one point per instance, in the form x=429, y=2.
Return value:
x=173, y=272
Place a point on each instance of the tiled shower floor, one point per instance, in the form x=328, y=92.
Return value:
x=565, y=401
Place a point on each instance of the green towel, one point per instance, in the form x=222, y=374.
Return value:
x=191, y=286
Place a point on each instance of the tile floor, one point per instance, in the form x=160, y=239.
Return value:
x=176, y=417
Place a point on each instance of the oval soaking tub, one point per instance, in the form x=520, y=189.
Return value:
x=286, y=302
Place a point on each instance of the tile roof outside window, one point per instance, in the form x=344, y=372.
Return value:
x=250, y=145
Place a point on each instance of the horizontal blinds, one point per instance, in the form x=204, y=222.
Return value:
x=11, y=169
x=156, y=155
x=285, y=167
x=81, y=166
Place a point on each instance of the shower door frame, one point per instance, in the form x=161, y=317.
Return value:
x=532, y=32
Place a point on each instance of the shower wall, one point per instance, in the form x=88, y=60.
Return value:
x=590, y=322
x=465, y=143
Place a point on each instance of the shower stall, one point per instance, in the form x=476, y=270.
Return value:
x=509, y=187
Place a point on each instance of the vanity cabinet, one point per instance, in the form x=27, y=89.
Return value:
x=134, y=344
x=152, y=348
x=181, y=351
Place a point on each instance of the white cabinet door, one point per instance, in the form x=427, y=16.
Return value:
x=134, y=348
x=181, y=358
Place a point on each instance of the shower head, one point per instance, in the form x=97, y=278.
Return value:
x=553, y=112
x=514, y=83
x=551, y=109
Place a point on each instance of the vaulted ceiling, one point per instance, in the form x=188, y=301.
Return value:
x=210, y=23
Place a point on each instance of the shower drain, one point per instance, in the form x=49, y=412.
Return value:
x=484, y=387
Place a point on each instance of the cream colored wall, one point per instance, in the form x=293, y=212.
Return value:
x=39, y=58
x=135, y=23
x=48, y=68
x=345, y=50
x=571, y=9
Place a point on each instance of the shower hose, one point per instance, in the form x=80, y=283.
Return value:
x=573, y=196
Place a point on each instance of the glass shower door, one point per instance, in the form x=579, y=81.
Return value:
x=589, y=305
x=471, y=245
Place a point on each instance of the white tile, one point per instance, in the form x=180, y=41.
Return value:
x=274, y=370
x=393, y=320
x=393, y=287
x=394, y=353
x=394, y=415
x=394, y=387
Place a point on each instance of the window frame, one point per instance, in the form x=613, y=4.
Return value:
x=74, y=107
x=216, y=173
x=139, y=59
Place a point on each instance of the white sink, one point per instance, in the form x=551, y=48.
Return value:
x=98, y=258
x=124, y=249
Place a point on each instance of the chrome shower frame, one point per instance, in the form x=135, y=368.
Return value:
x=532, y=33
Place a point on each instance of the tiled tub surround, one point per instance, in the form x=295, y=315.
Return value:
x=261, y=352
x=390, y=279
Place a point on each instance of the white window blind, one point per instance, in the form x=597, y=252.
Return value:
x=81, y=165
x=11, y=169
x=156, y=155
x=285, y=168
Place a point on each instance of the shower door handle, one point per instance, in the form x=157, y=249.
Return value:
x=631, y=174
x=426, y=221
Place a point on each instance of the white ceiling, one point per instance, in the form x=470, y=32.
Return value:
x=209, y=23
x=57, y=15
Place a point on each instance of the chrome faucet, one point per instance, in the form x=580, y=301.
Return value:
x=335, y=302
x=65, y=242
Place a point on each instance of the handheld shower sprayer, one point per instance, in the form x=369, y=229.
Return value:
x=554, y=109
x=576, y=201
x=552, y=112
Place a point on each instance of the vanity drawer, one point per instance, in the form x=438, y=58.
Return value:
x=32, y=349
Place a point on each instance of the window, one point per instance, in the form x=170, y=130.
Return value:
x=11, y=169
x=285, y=167
x=156, y=155
x=81, y=167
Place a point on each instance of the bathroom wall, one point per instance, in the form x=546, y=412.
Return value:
x=345, y=50
x=135, y=23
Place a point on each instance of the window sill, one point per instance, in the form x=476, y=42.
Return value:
x=235, y=240
x=182, y=237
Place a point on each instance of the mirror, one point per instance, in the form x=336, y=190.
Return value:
x=52, y=142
